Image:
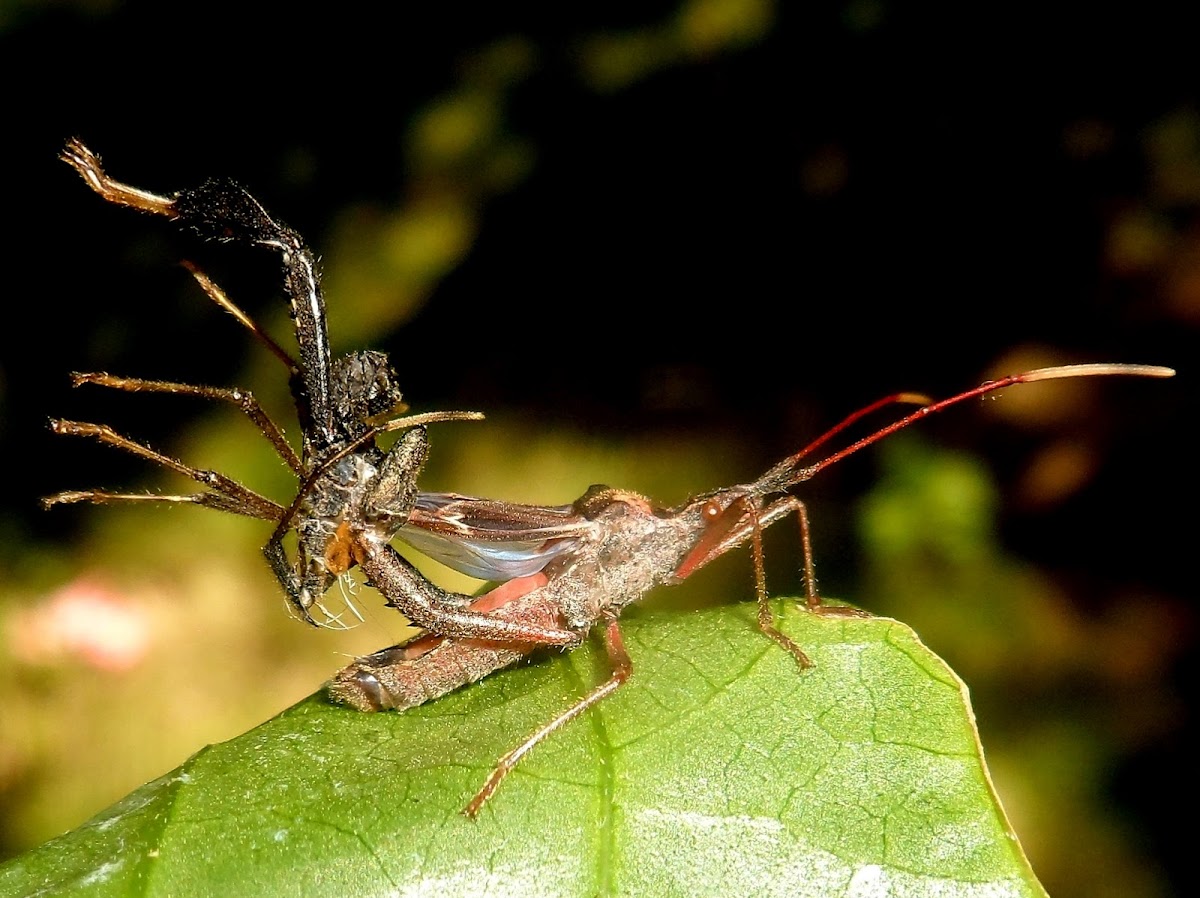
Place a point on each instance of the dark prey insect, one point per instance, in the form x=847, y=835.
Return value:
x=633, y=548
x=353, y=497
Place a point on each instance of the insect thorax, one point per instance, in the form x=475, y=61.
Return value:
x=635, y=549
x=335, y=502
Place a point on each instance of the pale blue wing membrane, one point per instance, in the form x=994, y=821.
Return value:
x=486, y=560
x=491, y=540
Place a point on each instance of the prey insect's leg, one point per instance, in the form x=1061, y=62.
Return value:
x=208, y=500
x=622, y=667
x=442, y=612
x=87, y=163
x=223, y=210
x=217, y=295
x=299, y=597
x=228, y=494
x=243, y=399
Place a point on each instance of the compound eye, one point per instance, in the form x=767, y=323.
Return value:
x=712, y=510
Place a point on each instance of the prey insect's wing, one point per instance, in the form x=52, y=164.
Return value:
x=492, y=540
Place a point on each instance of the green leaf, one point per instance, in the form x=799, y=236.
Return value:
x=719, y=769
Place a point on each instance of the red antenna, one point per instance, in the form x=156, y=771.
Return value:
x=787, y=473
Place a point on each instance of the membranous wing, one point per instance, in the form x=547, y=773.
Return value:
x=492, y=540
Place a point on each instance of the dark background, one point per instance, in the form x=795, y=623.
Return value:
x=723, y=223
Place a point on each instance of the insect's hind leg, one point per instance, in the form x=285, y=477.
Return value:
x=622, y=668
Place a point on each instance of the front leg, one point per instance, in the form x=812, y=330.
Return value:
x=743, y=519
x=303, y=592
x=442, y=612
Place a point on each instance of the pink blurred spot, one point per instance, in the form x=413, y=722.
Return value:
x=86, y=621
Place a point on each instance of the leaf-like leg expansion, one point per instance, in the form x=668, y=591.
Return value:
x=622, y=667
x=243, y=399
x=247, y=501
